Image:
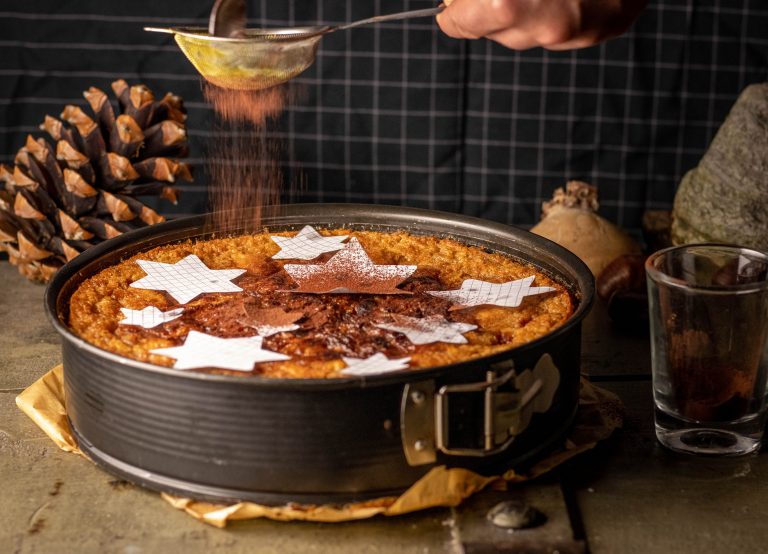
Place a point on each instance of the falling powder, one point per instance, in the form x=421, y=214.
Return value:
x=242, y=160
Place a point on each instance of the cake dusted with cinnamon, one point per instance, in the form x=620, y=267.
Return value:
x=316, y=303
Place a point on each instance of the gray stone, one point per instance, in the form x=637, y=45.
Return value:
x=725, y=198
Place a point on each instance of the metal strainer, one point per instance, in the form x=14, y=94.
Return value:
x=261, y=58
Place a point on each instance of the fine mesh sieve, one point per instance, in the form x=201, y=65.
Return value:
x=262, y=58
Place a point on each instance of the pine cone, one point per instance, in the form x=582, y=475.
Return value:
x=81, y=188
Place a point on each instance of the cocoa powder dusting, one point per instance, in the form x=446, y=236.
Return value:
x=329, y=326
x=706, y=388
x=242, y=160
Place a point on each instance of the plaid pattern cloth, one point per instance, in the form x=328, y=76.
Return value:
x=399, y=113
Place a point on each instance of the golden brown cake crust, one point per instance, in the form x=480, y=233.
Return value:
x=331, y=325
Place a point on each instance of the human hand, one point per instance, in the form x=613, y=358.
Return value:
x=552, y=24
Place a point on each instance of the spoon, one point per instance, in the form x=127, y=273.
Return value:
x=255, y=59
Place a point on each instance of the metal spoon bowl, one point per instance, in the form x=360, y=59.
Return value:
x=261, y=58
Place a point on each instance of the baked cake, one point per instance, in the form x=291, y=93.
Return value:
x=314, y=304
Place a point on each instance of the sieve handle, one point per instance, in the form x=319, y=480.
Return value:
x=392, y=17
x=160, y=30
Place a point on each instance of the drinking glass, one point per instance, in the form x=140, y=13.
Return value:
x=708, y=306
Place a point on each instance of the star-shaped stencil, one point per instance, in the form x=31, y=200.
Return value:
x=307, y=244
x=349, y=271
x=149, y=317
x=476, y=293
x=430, y=329
x=269, y=321
x=186, y=279
x=201, y=350
x=373, y=365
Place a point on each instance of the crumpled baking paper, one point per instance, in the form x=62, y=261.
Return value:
x=600, y=413
x=43, y=402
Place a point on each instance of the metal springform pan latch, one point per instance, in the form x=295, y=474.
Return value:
x=441, y=418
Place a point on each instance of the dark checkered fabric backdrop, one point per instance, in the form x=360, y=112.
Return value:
x=401, y=114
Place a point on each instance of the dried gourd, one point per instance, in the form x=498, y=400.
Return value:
x=570, y=219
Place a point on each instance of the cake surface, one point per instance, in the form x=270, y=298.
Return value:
x=317, y=333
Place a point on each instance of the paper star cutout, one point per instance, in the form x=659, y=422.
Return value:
x=270, y=321
x=201, y=350
x=373, y=365
x=476, y=293
x=349, y=271
x=307, y=244
x=430, y=329
x=186, y=279
x=149, y=317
